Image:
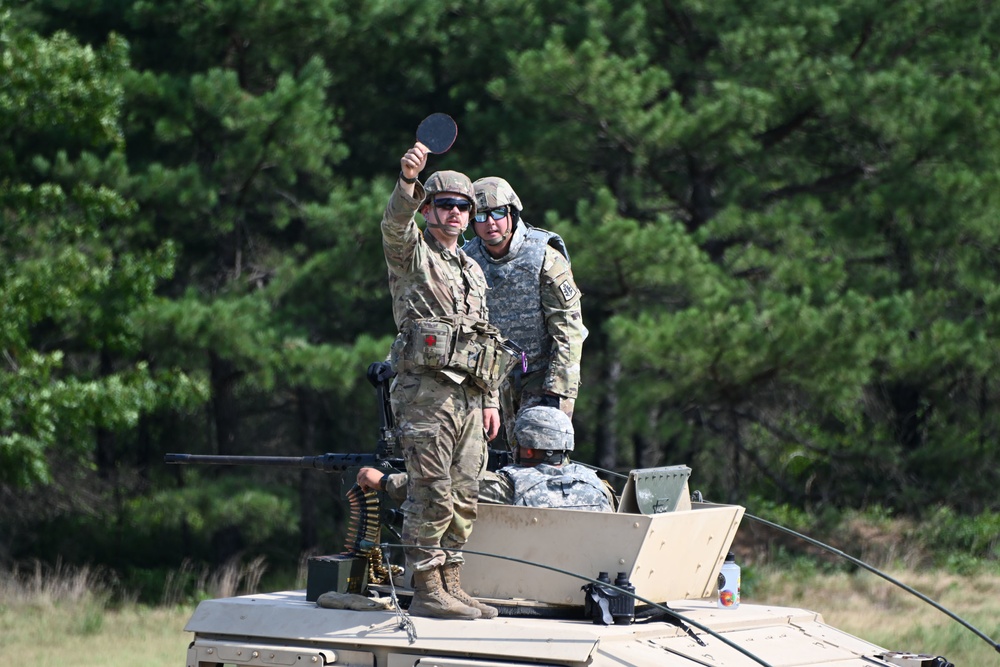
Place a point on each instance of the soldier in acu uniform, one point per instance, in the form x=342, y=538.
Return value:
x=449, y=362
x=543, y=477
x=533, y=300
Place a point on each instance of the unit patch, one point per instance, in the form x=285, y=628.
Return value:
x=568, y=289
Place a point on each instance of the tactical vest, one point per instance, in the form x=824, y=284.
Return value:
x=460, y=343
x=571, y=486
x=515, y=289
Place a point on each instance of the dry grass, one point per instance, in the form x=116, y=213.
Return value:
x=45, y=586
x=47, y=616
x=870, y=607
x=90, y=636
x=233, y=578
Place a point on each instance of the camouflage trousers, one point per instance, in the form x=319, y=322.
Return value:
x=440, y=426
x=514, y=399
x=495, y=489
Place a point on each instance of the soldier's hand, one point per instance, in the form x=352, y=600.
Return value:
x=491, y=422
x=368, y=478
x=414, y=161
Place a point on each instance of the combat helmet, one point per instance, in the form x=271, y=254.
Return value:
x=494, y=191
x=450, y=181
x=542, y=427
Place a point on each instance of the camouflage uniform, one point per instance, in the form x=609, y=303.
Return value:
x=394, y=484
x=549, y=432
x=438, y=412
x=570, y=486
x=535, y=302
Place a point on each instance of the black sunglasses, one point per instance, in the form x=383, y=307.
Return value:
x=498, y=213
x=448, y=203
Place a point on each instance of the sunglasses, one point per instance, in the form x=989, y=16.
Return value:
x=446, y=204
x=498, y=213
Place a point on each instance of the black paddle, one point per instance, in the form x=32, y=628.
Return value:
x=438, y=132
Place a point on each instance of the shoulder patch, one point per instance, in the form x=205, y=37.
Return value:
x=568, y=289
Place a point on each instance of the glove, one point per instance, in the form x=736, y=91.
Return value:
x=379, y=372
x=550, y=401
x=335, y=600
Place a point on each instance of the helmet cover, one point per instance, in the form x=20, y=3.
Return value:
x=450, y=181
x=545, y=428
x=493, y=192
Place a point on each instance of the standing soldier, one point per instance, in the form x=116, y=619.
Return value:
x=533, y=300
x=449, y=362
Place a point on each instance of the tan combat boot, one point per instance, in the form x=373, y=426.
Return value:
x=453, y=584
x=432, y=600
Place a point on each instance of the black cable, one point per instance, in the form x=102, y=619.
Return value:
x=599, y=469
x=874, y=570
x=664, y=608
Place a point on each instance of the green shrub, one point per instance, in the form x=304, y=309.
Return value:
x=956, y=538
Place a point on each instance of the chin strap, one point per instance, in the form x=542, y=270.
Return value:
x=499, y=241
x=503, y=238
x=437, y=222
x=437, y=218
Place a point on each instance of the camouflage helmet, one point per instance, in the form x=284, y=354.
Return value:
x=450, y=181
x=544, y=427
x=493, y=192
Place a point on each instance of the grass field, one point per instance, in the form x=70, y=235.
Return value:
x=872, y=608
x=57, y=624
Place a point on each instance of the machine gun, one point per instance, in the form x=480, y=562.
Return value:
x=324, y=462
x=347, y=571
x=380, y=375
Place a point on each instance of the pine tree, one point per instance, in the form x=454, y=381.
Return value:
x=70, y=292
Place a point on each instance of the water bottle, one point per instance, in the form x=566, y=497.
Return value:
x=729, y=583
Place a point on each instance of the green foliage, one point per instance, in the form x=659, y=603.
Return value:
x=782, y=216
x=56, y=94
x=92, y=621
x=207, y=507
x=67, y=291
x=827, y=167
x=961, y=538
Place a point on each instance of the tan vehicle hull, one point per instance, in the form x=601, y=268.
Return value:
x=284, y=629
x=673, y=555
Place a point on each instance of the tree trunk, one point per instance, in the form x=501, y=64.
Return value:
x=607, y=438
x=907, y=416
x=645, y=453
x=224, y=406
x=310, y=482
x=735, y=478
x=105, y=454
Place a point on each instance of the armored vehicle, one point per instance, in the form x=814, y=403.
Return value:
x=543, y=568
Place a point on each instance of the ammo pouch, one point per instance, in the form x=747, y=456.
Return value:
x=459, y=343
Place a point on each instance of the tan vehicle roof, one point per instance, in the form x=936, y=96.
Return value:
x=670, y=549
x=781, y=636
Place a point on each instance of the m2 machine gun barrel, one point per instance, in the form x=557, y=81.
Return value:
x=324, y=462
x=380, y=374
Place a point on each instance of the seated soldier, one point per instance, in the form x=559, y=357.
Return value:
x=543, y=477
